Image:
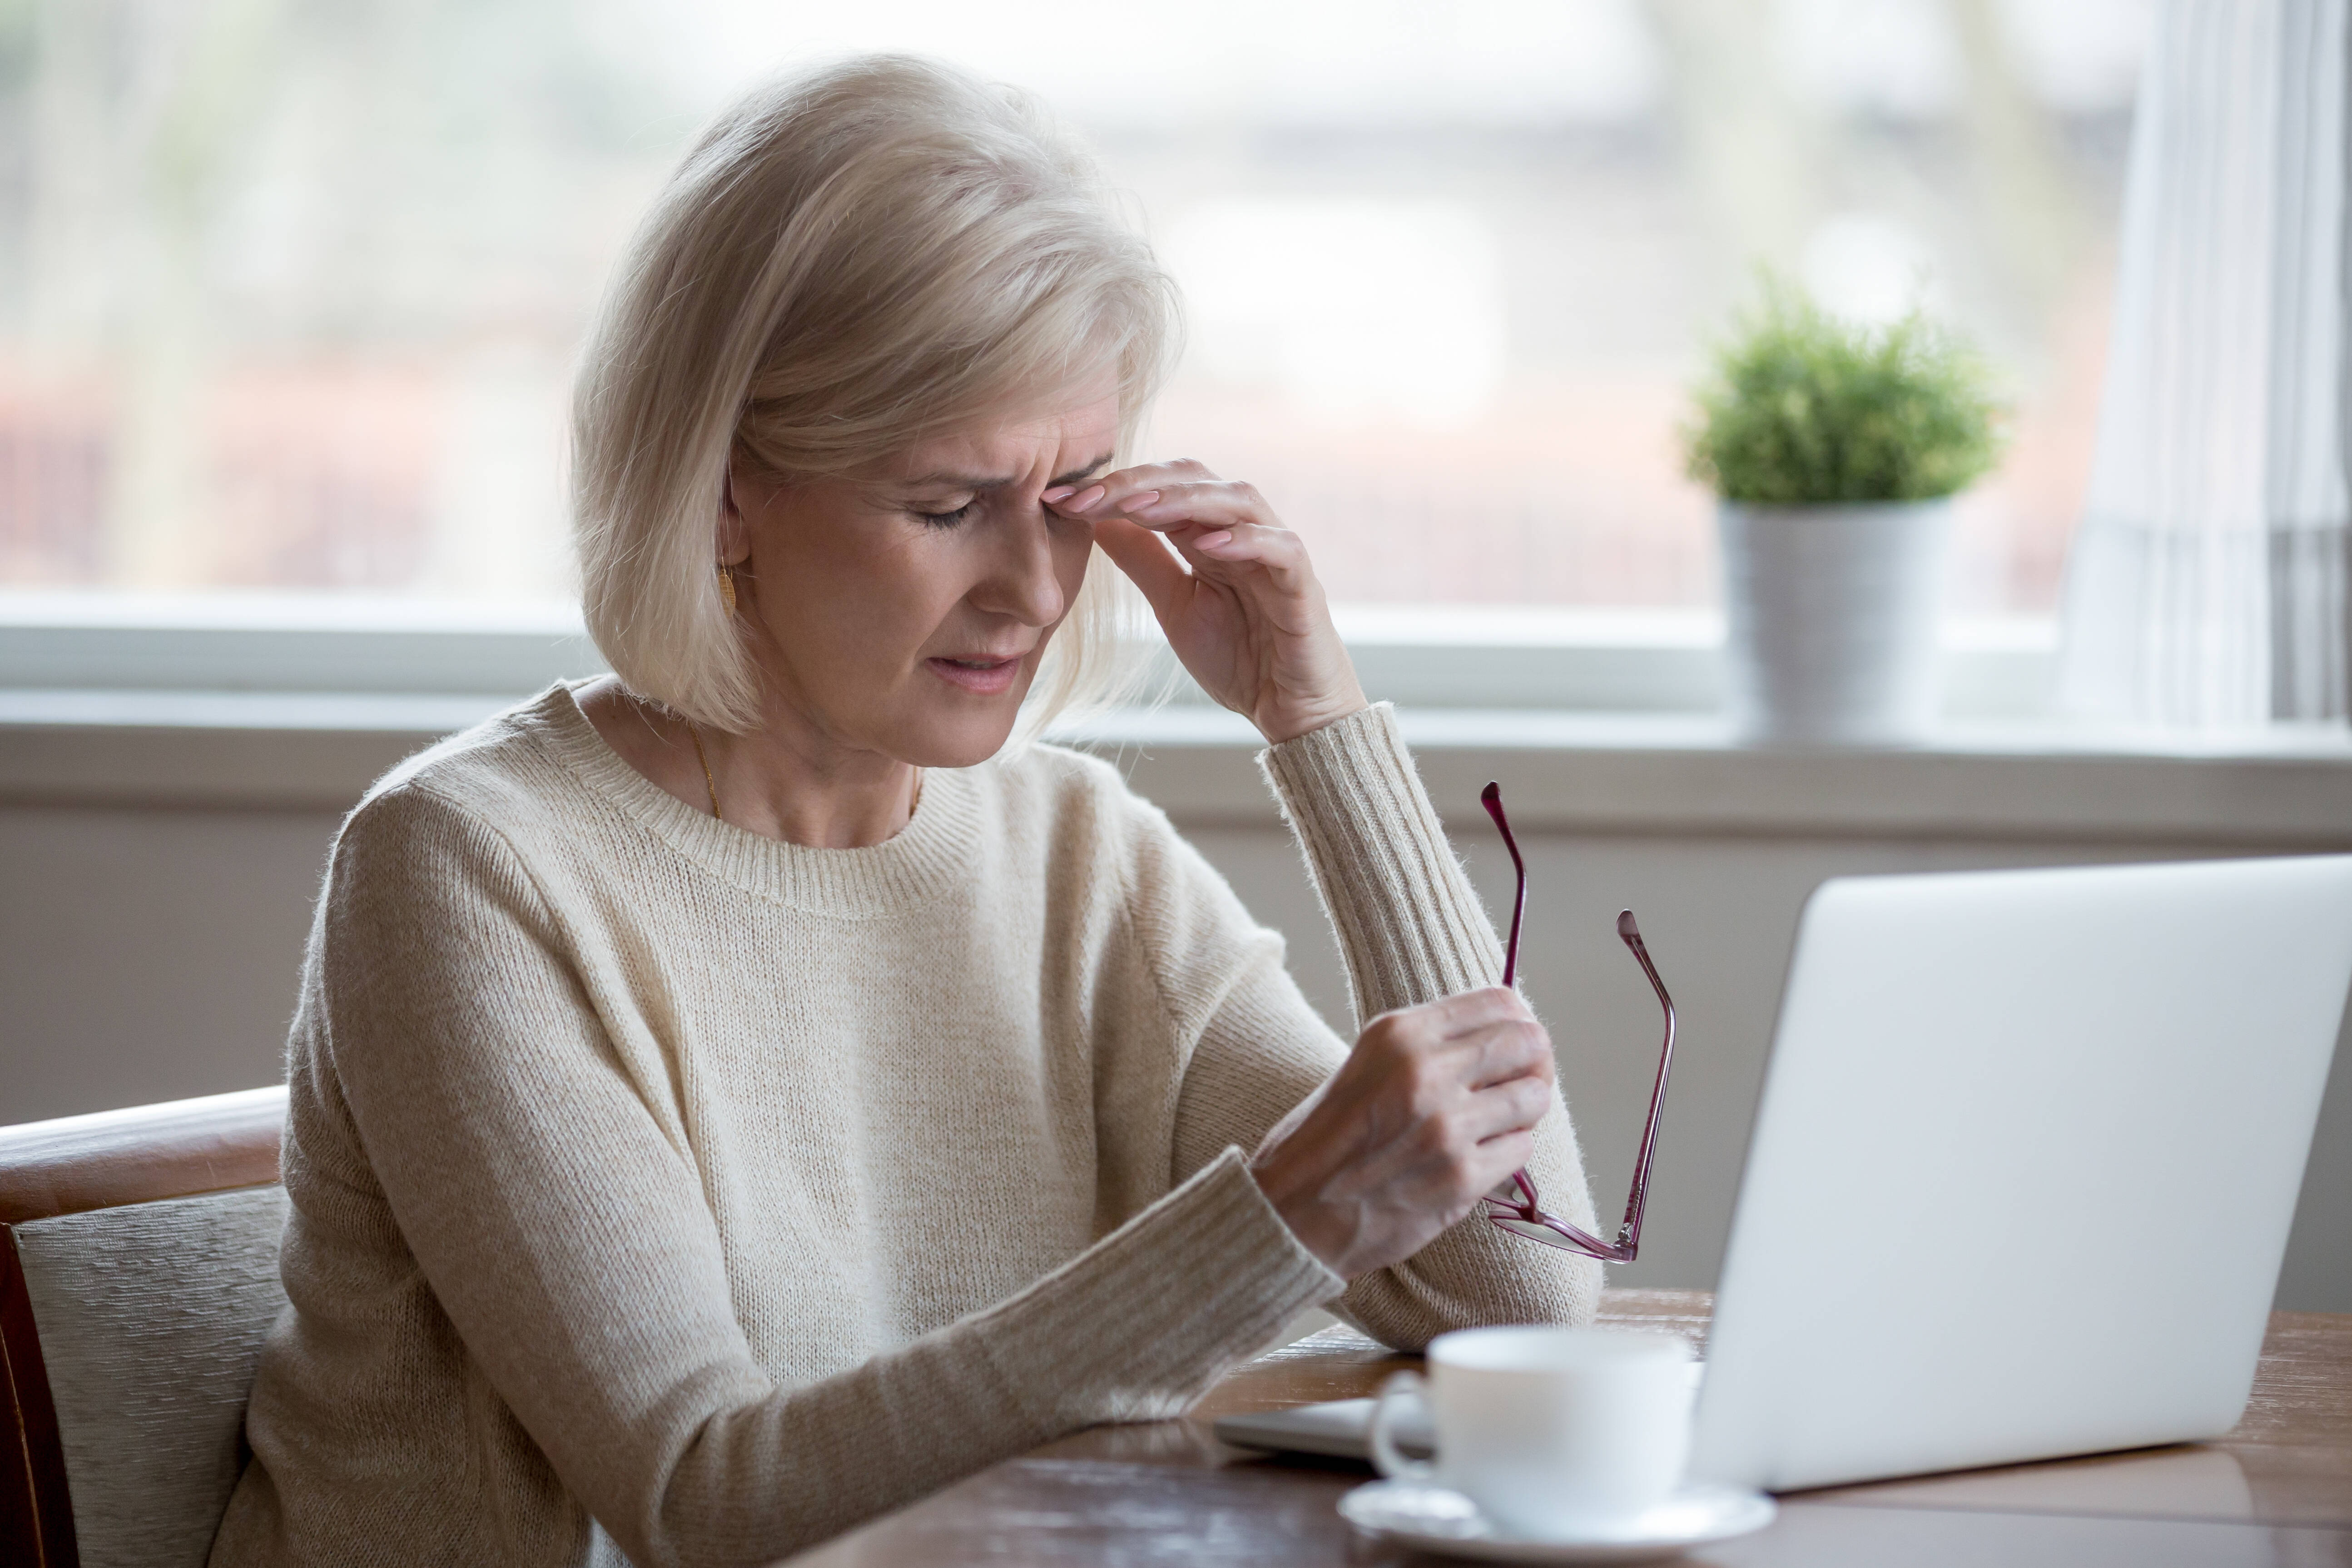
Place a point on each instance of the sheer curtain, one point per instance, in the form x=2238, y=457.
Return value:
x=2207, y=583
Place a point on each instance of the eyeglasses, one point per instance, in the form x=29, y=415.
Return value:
x=1525, y=1217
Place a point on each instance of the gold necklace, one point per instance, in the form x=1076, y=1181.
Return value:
x=707, y=784
x=711, y=788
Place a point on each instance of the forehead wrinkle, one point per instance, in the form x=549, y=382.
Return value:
x=1075, y=475
x=983, y=482
x=961, y=481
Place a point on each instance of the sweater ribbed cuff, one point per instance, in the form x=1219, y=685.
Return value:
x=1141, y=1325
x=1409, y=925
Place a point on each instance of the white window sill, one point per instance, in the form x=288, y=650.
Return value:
x=1595, y=722
x=1565, y=772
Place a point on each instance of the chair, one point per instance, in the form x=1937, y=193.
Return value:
x=138, y=1279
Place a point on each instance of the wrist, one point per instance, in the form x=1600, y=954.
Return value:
x=1293, y=721
x=1311, y=1224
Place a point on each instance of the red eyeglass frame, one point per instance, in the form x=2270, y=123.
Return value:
x=1525, y=1218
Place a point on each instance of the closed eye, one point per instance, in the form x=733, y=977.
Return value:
x=947, y=519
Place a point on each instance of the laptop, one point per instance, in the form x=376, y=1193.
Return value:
x=2021, y=1178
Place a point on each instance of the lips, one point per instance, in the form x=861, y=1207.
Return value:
x=985, y=675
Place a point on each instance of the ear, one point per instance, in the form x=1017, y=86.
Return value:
x=734, y=533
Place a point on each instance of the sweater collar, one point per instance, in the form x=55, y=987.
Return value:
x=937, y=850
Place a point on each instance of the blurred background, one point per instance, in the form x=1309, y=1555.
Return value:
x=289, y=290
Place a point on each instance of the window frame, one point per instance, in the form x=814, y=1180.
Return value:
x=1425, y=656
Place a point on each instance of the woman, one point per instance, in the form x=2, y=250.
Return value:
x=733, y=1098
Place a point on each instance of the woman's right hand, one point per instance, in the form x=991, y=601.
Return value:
x=1430, y=1112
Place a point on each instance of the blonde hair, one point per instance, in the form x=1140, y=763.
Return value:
x=849, y=261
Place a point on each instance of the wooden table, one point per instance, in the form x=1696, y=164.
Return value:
x=2276, y=1491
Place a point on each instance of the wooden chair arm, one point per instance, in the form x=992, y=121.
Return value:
x=140, y=1155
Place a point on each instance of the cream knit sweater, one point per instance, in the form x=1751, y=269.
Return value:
x=733, y=1191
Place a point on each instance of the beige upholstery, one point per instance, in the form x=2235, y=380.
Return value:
x=150, y=1316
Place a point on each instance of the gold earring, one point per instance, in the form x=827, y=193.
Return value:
x=727, y=587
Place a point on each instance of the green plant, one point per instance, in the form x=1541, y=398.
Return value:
x=1803, y=408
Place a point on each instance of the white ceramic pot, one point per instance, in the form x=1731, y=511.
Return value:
x=1830, y=616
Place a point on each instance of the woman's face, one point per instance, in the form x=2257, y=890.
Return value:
x=904, y=611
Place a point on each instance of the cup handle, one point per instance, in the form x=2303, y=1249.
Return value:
x=1386, y=1457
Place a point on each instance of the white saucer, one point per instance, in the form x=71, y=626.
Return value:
x=1434, y=1518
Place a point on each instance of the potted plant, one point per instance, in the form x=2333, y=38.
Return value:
x=1835, y=449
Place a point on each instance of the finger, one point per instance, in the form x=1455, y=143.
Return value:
x=1109, y=493
x=1138, y=552
x=1513, y=1107
x=1403, y=1031
x=1217, y=503
x=1507, y=1049
x=1151, y=476
x=1474, y=1169
x=1466, y=1010
x=1277, y=551
x=1498, y=1157
x=1501, y=1052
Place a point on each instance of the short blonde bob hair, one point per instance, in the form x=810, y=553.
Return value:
x=849, y=261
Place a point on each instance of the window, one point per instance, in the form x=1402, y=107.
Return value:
x=291, y=289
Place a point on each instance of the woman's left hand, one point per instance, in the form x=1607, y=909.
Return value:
x=1249, y=619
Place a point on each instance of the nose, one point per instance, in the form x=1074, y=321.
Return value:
x=1020, y=581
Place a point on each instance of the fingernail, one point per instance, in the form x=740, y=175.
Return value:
x=1211, y=540
x=1088, y=500
x=1139, y=501
x=1058, y=493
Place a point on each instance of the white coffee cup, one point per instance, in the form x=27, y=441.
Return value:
x=1554, y=1432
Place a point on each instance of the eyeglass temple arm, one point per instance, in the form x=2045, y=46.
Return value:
x=1629, y=1233
x=1491, y=797
x=1628, y=1245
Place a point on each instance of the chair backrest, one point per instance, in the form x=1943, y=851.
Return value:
x=138, y=1279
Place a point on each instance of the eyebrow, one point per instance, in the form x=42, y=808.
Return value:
x=996, y=481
